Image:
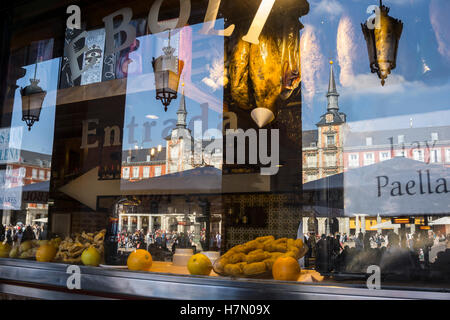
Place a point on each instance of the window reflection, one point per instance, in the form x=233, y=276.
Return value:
x=27, y=177
x=352, y=155
x=393, y=141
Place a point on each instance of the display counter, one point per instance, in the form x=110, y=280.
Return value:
x=48, y=281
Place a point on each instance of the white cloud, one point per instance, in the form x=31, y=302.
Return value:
x=370, y=84
x=439, y=20
x=329, y=8
x=395, y=2
x=346, y=49
x=419, y=120
x=312, y=62
x=216, y=75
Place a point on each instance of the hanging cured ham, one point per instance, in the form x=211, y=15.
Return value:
x=260, y=75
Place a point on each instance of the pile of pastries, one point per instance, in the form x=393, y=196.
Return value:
x=70, y=249
x=257, y=257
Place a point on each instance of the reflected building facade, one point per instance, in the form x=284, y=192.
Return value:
x=31, y=175
x=178, y=155
x=334, y=148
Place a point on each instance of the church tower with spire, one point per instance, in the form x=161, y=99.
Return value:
x=331, y=129
x=323, y=150
x=332, y=116
x=179, y=143
x=182, y=113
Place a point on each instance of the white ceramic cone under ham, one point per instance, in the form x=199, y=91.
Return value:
x=262, y=116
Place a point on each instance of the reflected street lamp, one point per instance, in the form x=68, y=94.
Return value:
x=382, y=43
x=167, y=69
x=32, y=100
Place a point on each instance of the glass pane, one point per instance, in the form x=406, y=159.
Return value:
x=265, y=132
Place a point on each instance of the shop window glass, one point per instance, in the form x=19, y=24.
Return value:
x=435, y=155
x=126, y=173
x=434, y=136
x=385, y=156
x=157, y=171
x=330, y=140
x=368, y=158
x=330, y=160
x=400, y=153
x=22, y=172
x=354, y=160
x=311, y=161
x=135, y=172
x=418, y=155
x=146, y=172
x=239, y=135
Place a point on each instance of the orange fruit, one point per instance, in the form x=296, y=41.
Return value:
x=91, y=257
x=286, y=268
x=199, y=264
x=140, y=260
x=45, y=253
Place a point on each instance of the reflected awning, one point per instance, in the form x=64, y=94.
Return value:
x=399, y=186
x=204, y=179
x=440, y=221
x=385, y=225
x=325, y=212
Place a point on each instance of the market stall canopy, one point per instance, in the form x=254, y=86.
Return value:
x=440, y=221
x=204, y=179
x=384, y=225
x=36, y=192
x=40, y=186
x=199, y=180
x=30, y=193
x=323, y=211
x=331, y=182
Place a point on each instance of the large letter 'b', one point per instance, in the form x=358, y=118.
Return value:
x=125, y=26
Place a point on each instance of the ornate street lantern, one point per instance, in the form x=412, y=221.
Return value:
x=32, y=100
x=382, y=43
x=167, y=69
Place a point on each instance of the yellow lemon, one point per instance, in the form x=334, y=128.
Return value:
x=91, y=257
x=26, y=245
x=14, y=253
x=140, y=260
x=199, y=264
x=4, y=250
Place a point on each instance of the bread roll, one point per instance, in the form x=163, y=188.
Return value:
x=254, y=268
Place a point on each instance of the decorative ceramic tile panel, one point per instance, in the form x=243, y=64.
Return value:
x=282, y=221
